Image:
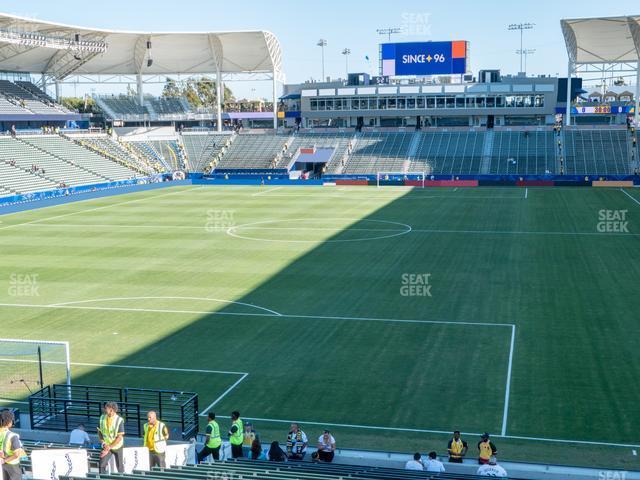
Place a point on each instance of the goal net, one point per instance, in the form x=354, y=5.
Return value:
x=28, y=365
x=391, y=178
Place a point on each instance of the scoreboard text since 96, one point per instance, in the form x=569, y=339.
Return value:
x=424, y=58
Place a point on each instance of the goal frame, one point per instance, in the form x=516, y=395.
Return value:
x=65, y=345
x=380, y=175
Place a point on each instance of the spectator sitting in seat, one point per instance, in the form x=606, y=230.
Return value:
x=296, y=443
x=492, y=469
x=256, y=450
x=433, y=464
x=415, y=464
x=79, y=436
x=276, y=454
x=326, y=447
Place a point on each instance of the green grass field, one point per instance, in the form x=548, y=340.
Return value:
x=294, y=299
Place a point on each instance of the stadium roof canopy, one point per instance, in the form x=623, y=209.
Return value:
x=35, y=46
x=603, y=43
x=602, y=40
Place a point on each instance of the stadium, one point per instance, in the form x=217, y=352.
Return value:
x=427, y=246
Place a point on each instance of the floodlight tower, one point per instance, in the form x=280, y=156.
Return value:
x=526, y=52
x=521, y=27
x=389, y=31
x=322, y=43
x=346, y=52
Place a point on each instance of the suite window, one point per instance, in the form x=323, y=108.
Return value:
x=491, y=102
x=411, y=103
x=420, y=102
x=471, y=102
x=439, y=102
x=459, y=102
x=431, y=102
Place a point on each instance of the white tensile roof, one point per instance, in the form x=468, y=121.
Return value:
x=127, y=53
x=602, y=40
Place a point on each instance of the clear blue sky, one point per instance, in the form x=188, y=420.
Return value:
x=348, y=23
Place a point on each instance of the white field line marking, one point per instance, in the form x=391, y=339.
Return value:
x=98, y=208
x=455, y=189
x=233, y=231
x=413, y=230
x=7, y=400
x=526, y=193
x=422, y=430
x=134, y=367
x=523, y=232
x=630, y=196
x=507, y=390
x=265, y=191
x=224, y=394
x=237, y=314
x=243, y=375
x=166, y=298
x=399, y=197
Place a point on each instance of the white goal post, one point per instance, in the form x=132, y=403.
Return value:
x=27, y=366
x=382, y=176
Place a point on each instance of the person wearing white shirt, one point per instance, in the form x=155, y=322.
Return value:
x=492, y=469
x=433, y=464
x=415, y=464
x=326, y=447
x=79, y=436
x=296, y=443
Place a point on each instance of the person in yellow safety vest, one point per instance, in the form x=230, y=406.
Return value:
x=10, y=448
x=156, y=435
x=212, y=440
x=457, y=448
x=236, y=435
x=111, y=434
x=486, y=448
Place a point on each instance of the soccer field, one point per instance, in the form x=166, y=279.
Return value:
x=391, y=315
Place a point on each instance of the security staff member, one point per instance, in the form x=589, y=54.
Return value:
x=457, y=448
x=486, y=448
x=236, y=435
x=10, y=448
x=111, y=434
x=155, y=439
x=212, y=440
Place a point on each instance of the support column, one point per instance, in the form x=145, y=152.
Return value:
x=57, y=91
x=568, y=112
x=219, y=102
x=275, y=100
x=637, y=114
x=140, y=91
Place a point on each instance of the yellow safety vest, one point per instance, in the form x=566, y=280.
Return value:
x=238, y=437
x=485, y=450
x=456, y=448
x=158, y=443
x=5, y=447
x=214, y=438
x=110, y=431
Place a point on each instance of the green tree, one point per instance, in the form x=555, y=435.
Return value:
x=81, y=105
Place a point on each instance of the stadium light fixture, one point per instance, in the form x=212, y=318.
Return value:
x=389, y=31
x=346, y=52
x=521, y=27
x=526, y=52
x=322, y=43
x=35, y=40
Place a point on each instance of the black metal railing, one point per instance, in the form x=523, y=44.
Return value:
x=63, y=407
